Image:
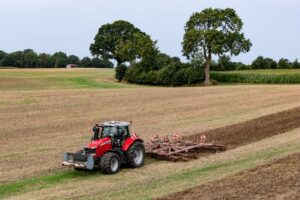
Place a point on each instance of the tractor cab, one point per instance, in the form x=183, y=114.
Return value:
x=112, y=129
x=118, y=130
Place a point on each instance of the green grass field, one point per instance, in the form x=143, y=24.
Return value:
x=270, y=76
x=45, y=79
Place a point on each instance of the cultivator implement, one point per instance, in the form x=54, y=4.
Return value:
x=176, y=148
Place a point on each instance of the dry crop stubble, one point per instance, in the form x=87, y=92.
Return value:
x=160, y=178
x=61, y=120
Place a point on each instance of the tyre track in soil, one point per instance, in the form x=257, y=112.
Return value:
x=276, y=180
x=247, y=132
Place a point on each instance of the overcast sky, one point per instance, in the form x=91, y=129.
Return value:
x=48, y=26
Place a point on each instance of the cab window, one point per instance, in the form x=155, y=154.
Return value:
x=108, y=131
x=123, y=130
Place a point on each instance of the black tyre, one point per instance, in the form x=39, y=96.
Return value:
x=110, y=163
x=136, y=155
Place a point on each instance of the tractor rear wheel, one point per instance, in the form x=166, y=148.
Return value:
x=110, y=163
x=136, y=155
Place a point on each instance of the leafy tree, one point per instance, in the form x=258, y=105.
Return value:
x=197, y=60
x=139, y=47
x=163, y=59
x=98, y=63
x=30, y=58
x=7, y=60
x=284, y=63
x=120, y=72
x=60, y=59
x=109, y=38
x=44, y=60
x=258, y=63
x=270, y=63
x=106, y=64
x=242, y=66
x=14, y=59
x=86, y=62
x=264, y=63
x=214, y=31
x=2, y=55
x=224, y=63
x=296, y=64
x=72, y=59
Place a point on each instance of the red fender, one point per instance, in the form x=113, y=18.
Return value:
x=129, y=141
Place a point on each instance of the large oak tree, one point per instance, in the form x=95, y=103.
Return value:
x=214, y=31
x=111, y=37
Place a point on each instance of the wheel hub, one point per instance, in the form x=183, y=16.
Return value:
x=138, y=156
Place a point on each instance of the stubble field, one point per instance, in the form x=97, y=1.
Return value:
x=39, y=123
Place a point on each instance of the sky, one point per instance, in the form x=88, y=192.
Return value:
x=273, y=26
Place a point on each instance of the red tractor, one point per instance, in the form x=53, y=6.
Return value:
x=111, y=146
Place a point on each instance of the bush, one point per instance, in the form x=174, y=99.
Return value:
x=166, y=75
x=167, y=71
x=120, y=72
x=173, y=74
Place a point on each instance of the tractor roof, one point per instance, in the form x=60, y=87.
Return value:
x=115, y=123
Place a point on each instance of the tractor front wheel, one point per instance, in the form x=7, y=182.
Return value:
x=136, y=155
x=110, y=163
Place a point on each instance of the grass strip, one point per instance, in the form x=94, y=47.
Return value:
x=193, y=177
x=38, y=183
x=85, y=82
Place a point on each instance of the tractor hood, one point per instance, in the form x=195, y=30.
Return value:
x=98, y=143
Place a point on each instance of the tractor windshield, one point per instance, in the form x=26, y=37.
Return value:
x=108, y=131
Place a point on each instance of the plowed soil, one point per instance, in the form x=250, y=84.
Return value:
x=240, y=134
x=278, y=180
x=253, y=130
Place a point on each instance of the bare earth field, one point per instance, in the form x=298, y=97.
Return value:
x=41, y=125
x=236, y=135
x=278, y=180
x=38, y=124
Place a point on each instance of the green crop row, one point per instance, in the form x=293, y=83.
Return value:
x=236, y=77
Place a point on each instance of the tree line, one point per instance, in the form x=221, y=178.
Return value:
x=28, y=58
x=209, y=32
x=224, y=63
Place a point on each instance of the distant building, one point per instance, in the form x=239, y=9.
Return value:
x=71, y=66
